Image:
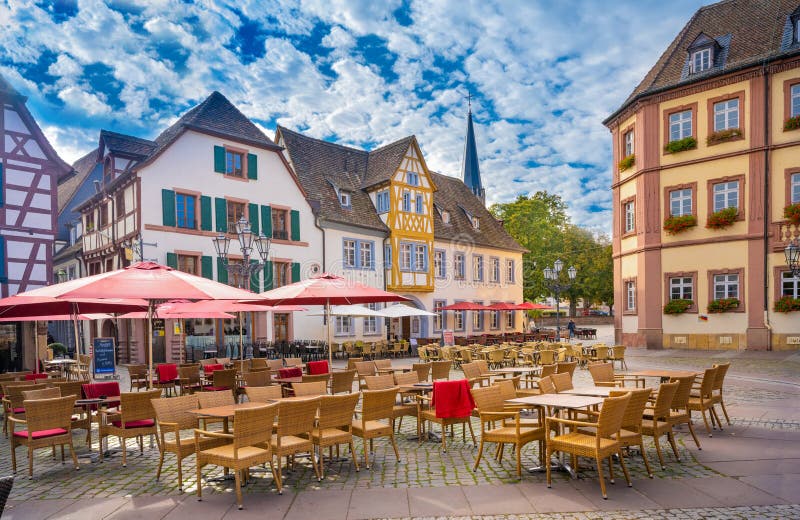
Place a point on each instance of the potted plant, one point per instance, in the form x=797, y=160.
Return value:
x=687, y=143
x=793, y=123
x=674, y=225
x=720, y=136
x=722, y=218
x=787, y=304
x=723, y=305
x=792, y=213
x=678, y=306
x=627, y=162
x=59, y=350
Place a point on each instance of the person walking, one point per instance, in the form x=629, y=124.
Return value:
x=571, y=329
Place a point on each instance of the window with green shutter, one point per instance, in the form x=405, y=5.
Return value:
x=252, y=166
x=219, y=159
x=268, y=275
x=221, y=207
x=266, y=221
x=172, y=260
x=255, y=278
x=295, y=225
x=222, y=273
x=206, y=269
x=205, y=213
x=295, y=272
x=252, y=213
x=168, y=208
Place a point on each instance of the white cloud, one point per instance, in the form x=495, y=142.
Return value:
x=78, y=99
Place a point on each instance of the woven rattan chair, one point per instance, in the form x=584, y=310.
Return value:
x=134, y=419
x=489, y=402
x=379, y=382
x=601, y=444
x=562, y=381
x=250, y=445
x=222, y=380
x=257, y=378
x=601, y=353
x=189, y=379
x=275, y=364
x=44, y=393
x=704, y=401
x=618, y=354
x=263, y=394
x=364, y=369
x=680, y=413
x=334, y=426
x=293, y=433
x=427, y=413
x=138, y=377
x=423, y=370
x=631, y=432
x=316, y=378
x=351, y=362
x=258, y=363
x=547, y=357
x=377, y=407
x=47, y=423
x=441, y=370
x=314, y=389
x=293, y=361
x=603, y=375
x=658, y=424
x=342, y=381
x=167, y=377
x=719, y=380
x=472, y=372
x=566, y=367
x=12, y=399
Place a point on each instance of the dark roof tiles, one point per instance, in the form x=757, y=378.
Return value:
x=82, y=168
x=127, y=145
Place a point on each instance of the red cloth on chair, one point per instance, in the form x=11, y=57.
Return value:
x=208, y=369
x=95, y=390
x=317, y=367
x=290, y=372
x=34, y=377
x=452, y=398
x=167, y=372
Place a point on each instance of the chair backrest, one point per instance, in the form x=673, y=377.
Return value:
x=707, y=383
x=263, y=394
x=342, y=381
x=44, y=393
x=225, y=378
x=452, y=399
x=48, y=414
x=488, y=398
x=250, y=428
x=406, y=378
x=167, y=372
x=259, y=378
x=316, y=378
x=632, y=419
x=69, y=388
x=365, y=368
x=566, y=367
x=379, y=382
x=547, y=357
x=336, y=411
x=189, y=375
x=507, y=388
x=293, y=361
x=212, y=399
x=546, y=385
x=5, y=385
x=205, y=362
x=95, y=390
x=423, y=370
x=351, y=362
x=665, y=399
x=601, y=351
x=682, y=394
x=296, y=417
x=314, y=389
x=562, y=381
x=610, y=420
x=223, y=360
x=618, y=351
x=601, y=372
x=378, y=404
x=548, y=370
x=471, y=370
x=722, y=369
x=258, y=363
x=383, y=363
x=275, y=364
x=177, y=410
x=210, y=369
x=483, y=365
x=317, y=367
x=137, y=371
x=441, y=369
x=135, y=406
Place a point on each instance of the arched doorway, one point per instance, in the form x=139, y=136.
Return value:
x=411, y=327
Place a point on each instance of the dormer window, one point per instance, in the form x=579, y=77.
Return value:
x=344, y=199
x=446, y=217
x=701, y=60
x=703, y=52
x=476, y=222
x=412, y=178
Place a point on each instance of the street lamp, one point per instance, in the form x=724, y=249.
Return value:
x=247, y=239
x=792, y=253
x=551, y=279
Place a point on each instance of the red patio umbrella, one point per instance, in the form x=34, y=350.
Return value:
x=466, y=306
x=528, y=306
x=326, y=289
x=24, y=306
x=503, y=306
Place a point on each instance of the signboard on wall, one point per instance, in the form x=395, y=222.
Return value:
x=104, y=356
x=448, y=338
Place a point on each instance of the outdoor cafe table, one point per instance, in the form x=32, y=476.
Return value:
x=557, y=403
x=594, y=391
x=663, y=374
x=225, y=412
x=514, y=370
x=60, y=363
x=103, y=417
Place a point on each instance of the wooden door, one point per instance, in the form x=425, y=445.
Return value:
x=280, y=324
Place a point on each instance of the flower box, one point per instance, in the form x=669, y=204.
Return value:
x=723, y=305
x=787, y=304
x=792, y=213
x=627, y=162
x=722, y=218
x=675, y=225
x=793, y=123
x=721, y=136
x=677, y=306
x=687, y=143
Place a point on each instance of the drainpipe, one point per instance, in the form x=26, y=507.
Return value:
x=324, y=268
x=766, y=204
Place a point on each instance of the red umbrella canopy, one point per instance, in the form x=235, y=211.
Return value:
x=146, y=280
x=503, y=306
x=326, y=289
x=528, y=306
x=24, y=306
x=62, y=317
x=231, y=306
x=466, y=306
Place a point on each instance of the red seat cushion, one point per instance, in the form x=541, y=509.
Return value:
x=19, y=410
x=95, y=390
x=212, y=388
x=41, y=434
x=167, y=373
x=33, y=377
x=208, y=369
x=317, y=367
x=290, y=372
x=141, y=423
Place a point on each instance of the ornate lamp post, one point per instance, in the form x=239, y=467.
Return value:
x=792, y=253
x=551, y=278
x=247, y=242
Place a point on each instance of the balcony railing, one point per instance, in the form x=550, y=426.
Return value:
x=783, y=232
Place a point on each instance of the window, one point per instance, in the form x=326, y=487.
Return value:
x=343, y=326
x=726, y=195
x=413, y=257
x=382, y=201
x=680, y=202
x=494, y=270
x=103, y=215
x=630, y=296
x=387, y=256
x=371, y=323
x=628, y=143
x=726, y=286
x=344, y=199
x=280, y=224
x=477, y=319
x=458, y=320
x=726, y=114
x=630, y=217
x=446, y=217
x=795, y=100
x=681, y=288
x=510, y=271
x=282, y=274
x=185, y=208
x=415, y=325
x=510, y=319
x=406, y=202
x=420, y=205
x=119, y=203
x=790, y=286
x=233, y=163
x=439, y=268
x=349, y=256
x=701, y=60
x=235, y=212
x=680, y=125
x=412, y=178
x=188, y=264
x=90, y=221
x=476, y=222
x=458, y=266
x=439, y=320
x=494, y=320
x=405, y=257
x=358, y=254
x=365, y=255
x=420, y=257
x=794, y=188
x=477, y=268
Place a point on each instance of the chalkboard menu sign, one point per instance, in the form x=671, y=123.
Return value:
x=104, y=356
x=448, y=338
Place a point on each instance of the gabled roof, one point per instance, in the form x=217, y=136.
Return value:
x=126, y=145
x=82, y=167
x=756, y=30
x=384, y=161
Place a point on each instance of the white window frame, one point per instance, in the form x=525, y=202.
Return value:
x=459, y=266
x=701, y=60
x=726, y=114
x=405, y=256
x=682, y=200
x=420, y=258
x=510, y=271
x=476, y=222
x=371, y=322
x=349, y=256
x=343, y=326
x=494, y=319
x=458, y=320
x=511, y=319
x=681, y=288
x=382, y=201
x=629, y=146
x=630, y=217
x=726, y=286
x=419, y=204
x=477, y=268
x=630, y=296
x=345, y=199
x=790, y=286
x=726, y=195
x=680, y=125
x=439, y=322
x=477, y=319
x=407, y=201
x=445, y=217
x=494, y=270
x=794, y=188
x=366, y=255
x=439, y=267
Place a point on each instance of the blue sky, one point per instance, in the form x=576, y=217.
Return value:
x=543, y=75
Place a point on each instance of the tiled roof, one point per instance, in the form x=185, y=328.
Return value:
x=756, y=31
x=82, y=168
x=127, y=145
x=384, y=161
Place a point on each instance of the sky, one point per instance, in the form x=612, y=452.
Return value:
x=542, y=76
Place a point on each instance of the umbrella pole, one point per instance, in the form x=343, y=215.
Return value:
x=150, y=310
x=241, y=336
x=183, y=340
x=36, y=334
x=328, y=328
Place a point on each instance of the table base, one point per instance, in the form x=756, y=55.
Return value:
x=555, y=465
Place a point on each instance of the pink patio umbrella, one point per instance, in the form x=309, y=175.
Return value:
x=326, y=289
x=528, y=306
x=63, y=317
x=146, y=280
x=466, y=306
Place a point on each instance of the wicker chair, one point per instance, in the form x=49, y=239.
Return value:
x=257, y=378
x=315, y=389
x=223, y=361
x=44, y=393
x=547, y=357
x=138, y=376
x=680, y=413
x=618, y=354
x=351, y=362
x=249, y=446
x=342, y=381
x=379, y=382
x=222, y=380
x=704, y=401
x=258, y=364
x=566, y=367
x=167, y=377
x=48, y=422
x=275, y=364
x=603, y=375
x=600, y=444
x=631, y=432
x=377, y=406
x=316, y=378
x=293, y=361
x=134, y=419
x=472, y=372
x=364, y=369
x=440, y=370
x=173, y=416
x=334, y=426
x=600, y=353
x=293, y=433
x=263, y=394
x=189, y=379
x=423, y=370
x=658, y=423
x=719, y=380
x=13, y=401
x=562, y=381
x=427, y=413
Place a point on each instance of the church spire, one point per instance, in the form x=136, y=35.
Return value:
x=472, y=172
